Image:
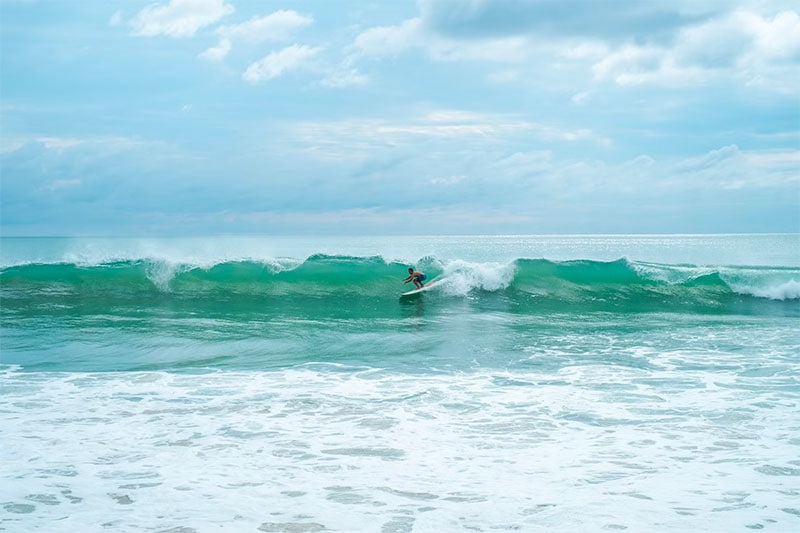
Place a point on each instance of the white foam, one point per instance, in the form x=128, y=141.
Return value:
x=464, y=277
x=589, y=447
x=789, y=290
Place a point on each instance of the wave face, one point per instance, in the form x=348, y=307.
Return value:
x=327, y=284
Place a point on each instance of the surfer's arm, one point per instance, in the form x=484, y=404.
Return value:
x=413, y=275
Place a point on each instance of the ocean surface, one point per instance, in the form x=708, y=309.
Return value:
x=547, y=383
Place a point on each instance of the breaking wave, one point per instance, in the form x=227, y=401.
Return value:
x=617, y=283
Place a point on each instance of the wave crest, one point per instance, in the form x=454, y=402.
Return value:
x=324, y=275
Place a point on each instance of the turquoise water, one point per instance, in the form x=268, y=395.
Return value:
x=547, y=383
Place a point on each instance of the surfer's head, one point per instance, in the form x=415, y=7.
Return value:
x=410, y=270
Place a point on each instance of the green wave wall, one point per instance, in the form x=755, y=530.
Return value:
x=370, y=285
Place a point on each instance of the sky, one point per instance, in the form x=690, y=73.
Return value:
x=196, y=117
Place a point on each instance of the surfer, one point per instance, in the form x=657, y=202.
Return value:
x=416, y=277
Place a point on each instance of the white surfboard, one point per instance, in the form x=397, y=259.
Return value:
x=423, y=289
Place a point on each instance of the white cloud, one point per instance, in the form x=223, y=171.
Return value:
x=10, y=144
x=276, y=63
x=277, y=26
x=677, y=45
x=731, y=168
x=629, y=64
x=68, y=143
x=742, y=45
x=448, y=129
x=344, y=77
x=710, y=159
x=777, y=38
x=217, y=53
x=715, y=44
x=179, y=18
x=789, y=159
x=583, y=50
x=388, y=132
x=389, y=40
x=393, y=40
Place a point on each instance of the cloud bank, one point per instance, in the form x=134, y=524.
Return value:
x=527, y=116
